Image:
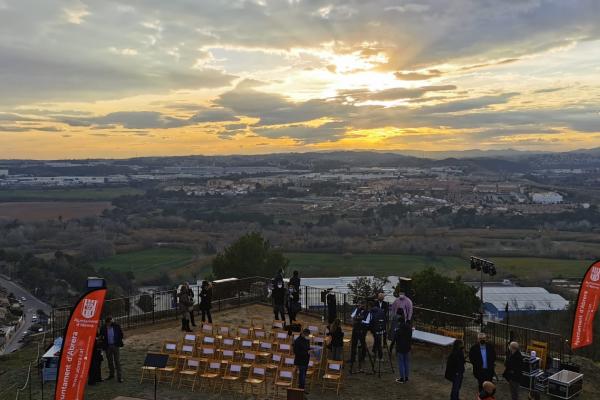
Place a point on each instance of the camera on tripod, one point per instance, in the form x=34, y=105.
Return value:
x=379, y=327
x=324, y=294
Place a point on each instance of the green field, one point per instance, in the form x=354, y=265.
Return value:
x=85, y=194
x=148, y=263
x=327, y=264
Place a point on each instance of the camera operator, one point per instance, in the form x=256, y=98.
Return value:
x=361, y=319
x=378, y=328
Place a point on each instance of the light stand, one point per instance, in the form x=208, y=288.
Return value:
x=484, y=267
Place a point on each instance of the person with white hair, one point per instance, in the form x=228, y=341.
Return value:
x=482, y=356
x=513, y=369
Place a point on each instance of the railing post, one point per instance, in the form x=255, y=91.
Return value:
x=345, y=307
x=153, y=306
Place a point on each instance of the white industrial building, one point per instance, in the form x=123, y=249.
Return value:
x=520, y=300
x=546, y=198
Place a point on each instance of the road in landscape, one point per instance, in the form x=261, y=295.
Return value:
x=30, y=307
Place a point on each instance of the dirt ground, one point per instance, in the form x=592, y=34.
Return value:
x=43, y=210
x=426, y=377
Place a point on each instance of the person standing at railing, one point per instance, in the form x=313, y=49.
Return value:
x=293, y=302
x=406, y=304
x=206, y=301
x=295, y=281
x=185, y=302
x=279, y=300
x=190, y=292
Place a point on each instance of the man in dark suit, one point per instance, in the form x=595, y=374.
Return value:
x=302, y=356
x=483, y=357
x=112, y=340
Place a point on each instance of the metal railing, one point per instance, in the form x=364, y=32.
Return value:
x=149, y=308
x=145, y=309
x=27, y=386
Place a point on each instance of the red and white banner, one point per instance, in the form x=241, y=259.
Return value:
x=587, y=305
x=77, y=347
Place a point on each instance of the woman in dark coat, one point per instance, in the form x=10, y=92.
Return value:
x=455, y=368
x=206, y=301
x=402, y=340
x=185, y=304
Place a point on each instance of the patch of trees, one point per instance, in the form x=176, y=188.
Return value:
x=436, y=291
x=577, y=220
x=250, y=255
x=63, y=277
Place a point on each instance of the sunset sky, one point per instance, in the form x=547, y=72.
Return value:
x=129, y=78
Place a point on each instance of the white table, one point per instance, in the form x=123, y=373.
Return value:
x=435, y=339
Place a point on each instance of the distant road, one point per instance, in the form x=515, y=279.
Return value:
x=30, y=307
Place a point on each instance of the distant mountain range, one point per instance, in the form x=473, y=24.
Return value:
x=486, y=161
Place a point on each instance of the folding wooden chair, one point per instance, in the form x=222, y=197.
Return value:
x=208, y=328
x=209, y=340
x=265, y=348
x=332, y=379
x=211, y=374
x=168, y=373
x=207, y=353
x=278, y=324
x=288, y=361
x=257, y=323
x=284, y=348
x=244, y=332
x=248, y=359
x=283, y=380
x=273, y=363
x=232, y=375
x=189, y=373
x=189, y=338
x=282, y=336
x=147, y=373
x=169, y=347
x=260, y=334
x=229, y=343
x=314, y=329
x=187, y=350
x=223, y=331
x=246, y=344
x=227, y=356
x=256, y=379
x=317, y=344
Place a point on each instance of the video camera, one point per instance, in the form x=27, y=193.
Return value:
x=324, y=294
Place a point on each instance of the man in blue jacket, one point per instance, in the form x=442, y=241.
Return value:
x=112, y=340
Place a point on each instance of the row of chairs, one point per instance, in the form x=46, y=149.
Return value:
x=280, y=368
x=192, y=346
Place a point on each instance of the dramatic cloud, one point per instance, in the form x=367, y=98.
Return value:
x=296, y=74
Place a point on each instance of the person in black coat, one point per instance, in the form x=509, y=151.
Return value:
x=514, y=369
x=483, y=357
x=279, y=300
x=402, y=340
x=111, y=337
x=295, y=281
x=337, y=340
x=455, y=368
x=302, y=356
x=206, y=301
x=95, y=374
